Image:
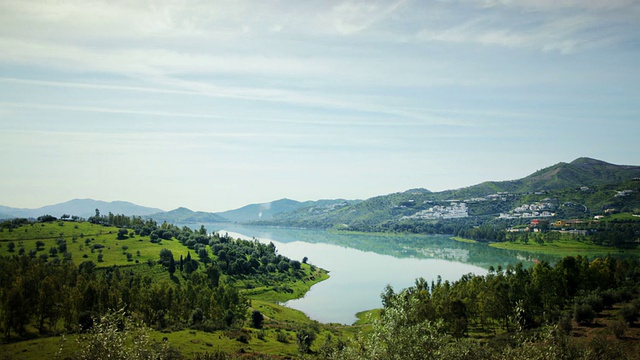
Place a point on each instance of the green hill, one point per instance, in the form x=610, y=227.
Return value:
x=267, y=211
x=581, y=188
x=183, y=215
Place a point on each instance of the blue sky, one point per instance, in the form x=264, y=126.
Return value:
x=215, y=105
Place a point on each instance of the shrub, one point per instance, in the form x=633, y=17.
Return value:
x=565, y=325
x=594, y=301
x=583, y=314
x=282, y=337
x=618, y=328
x=304, y=339
x=629, y=313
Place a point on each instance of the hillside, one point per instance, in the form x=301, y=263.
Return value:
x=183, y=215
x=580, y=172
x=266, y=211
x=581, y=188
x=79, y=207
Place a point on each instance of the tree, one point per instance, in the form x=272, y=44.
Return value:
x=257, y=319
x=117, y=336
x=305, y=259
x=197, y=316
x=304, y=339
x=172, y=266
x=190, y=265
x=122, y=233
x=11, y=246
x=165, y=257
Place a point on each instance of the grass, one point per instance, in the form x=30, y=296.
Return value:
x=464, y=240
x=41, y=348
x=367, y=317
x=564, y=247
x=81, y=238
x=294, y=290
x=191, y=342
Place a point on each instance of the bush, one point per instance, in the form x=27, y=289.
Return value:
x=117, y=336
x=629, y=313
x=282, y=337
x=304, y=339
x=565, y=325
x=197, y=316
x=593, y=300
x=618, y=328
x=583, y=314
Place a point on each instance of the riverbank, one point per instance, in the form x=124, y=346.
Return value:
x=565, y=247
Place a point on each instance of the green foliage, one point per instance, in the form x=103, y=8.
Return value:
x=583, y=314
x=117, y=336
x=630, y=313
x=257, y=319
x=619, y=328
x=398, y=335
x=304, y=340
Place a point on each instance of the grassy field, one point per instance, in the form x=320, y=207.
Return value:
x=564, y=247
x=367, y=317
x=463, y=240
x=83, y=241
x=294, y=290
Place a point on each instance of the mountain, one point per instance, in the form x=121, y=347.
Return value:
x=564, y=182
x=580, y=172
x=266, y=211
x=79, y=207
x=183, y=215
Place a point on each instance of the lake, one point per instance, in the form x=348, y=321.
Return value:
x=361, y=265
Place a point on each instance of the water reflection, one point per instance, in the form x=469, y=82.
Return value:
x=361, y=265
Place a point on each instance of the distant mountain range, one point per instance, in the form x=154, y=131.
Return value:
x=183, y=215
x=79, y=207
x=568, y=177
x=266, y=211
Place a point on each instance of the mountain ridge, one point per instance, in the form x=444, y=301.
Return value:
x=79, y=207
x=580, y=173
x=183, y=215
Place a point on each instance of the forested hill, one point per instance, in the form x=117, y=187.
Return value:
x=183, y=215
x=266, y=211
x=581, y=188
x=580, y=172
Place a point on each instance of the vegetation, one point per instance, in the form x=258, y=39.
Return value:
x=525, y=309
x=187, y=280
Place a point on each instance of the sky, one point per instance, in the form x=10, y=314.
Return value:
x=213, y=105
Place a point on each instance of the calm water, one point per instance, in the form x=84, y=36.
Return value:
x=361, y=265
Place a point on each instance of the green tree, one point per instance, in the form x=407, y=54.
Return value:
x=122, y=233
x=304, y=339
x=117, y=336
x=257, y=319
x=172, y=266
